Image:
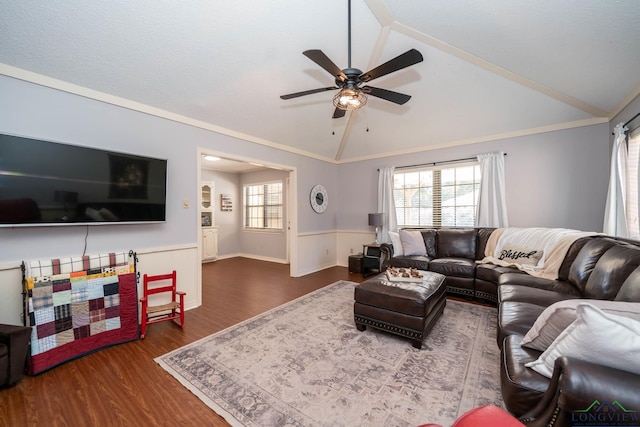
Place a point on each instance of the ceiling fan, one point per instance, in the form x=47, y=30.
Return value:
x=353, y=94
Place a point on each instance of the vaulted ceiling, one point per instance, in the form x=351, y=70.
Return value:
x=492, y=69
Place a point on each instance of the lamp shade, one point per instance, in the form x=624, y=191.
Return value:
x=376, y=219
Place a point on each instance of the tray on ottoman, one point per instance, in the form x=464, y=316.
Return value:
x=408, y=309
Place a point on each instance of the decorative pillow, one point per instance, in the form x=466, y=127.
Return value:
x=397, y=243
x=597, y=337
x=519, y=255
x=412, y=242
x=555, y=319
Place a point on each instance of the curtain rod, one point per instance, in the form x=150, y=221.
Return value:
x=631, y=119
x=438, y=163
x=628, y=121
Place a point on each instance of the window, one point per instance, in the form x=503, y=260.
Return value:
x=439, y=196
x=633, y=158
x=263, y=206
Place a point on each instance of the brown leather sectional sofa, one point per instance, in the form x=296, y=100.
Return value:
x=596, y=268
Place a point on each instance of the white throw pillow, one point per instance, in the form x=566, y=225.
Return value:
x=412, y=242
x=597, y=337
x=555, y=319
x=520, y=255
x=397, y=243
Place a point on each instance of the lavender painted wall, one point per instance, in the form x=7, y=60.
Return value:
x=554, y=179
x=35, y=111
x=229, y=223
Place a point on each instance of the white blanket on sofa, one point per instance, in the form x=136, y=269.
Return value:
x=537, y=251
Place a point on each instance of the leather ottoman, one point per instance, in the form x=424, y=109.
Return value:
x=408, y=309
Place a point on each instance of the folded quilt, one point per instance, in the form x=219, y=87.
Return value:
x=536, y=251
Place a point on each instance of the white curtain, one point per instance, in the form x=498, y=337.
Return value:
x=615, y=218
x=492, y=204
x=386, y=203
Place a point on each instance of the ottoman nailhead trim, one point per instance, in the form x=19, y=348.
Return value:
x=405, y=332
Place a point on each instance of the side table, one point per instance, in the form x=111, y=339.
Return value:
x=371, y=259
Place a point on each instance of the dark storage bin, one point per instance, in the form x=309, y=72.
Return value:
x=355, y=264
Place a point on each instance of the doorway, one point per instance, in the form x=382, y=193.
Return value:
x=229, y=165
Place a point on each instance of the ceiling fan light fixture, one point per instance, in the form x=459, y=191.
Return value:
x=349, y=99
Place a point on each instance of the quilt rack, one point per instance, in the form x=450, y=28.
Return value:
x=78, y=305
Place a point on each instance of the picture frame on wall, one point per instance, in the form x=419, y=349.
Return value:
x=226, y=204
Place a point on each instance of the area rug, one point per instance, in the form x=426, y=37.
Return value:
x=305, y=364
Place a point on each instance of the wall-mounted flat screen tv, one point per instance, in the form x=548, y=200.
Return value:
x=48, y=183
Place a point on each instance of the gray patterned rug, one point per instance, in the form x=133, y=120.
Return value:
x=305, y=364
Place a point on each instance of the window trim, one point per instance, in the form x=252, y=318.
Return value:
x=437, y=203
x=246, y=206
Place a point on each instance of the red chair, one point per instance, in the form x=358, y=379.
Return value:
x=153, y=285
x=487, y=415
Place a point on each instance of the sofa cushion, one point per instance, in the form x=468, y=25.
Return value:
x=522, y=388
x=597, y=337
x=397, y=243
x=611, y=270
x=538, y=296
x=457, y=243
x=584, y=263
x=412, y=242
x=572, y=253
x=558, y=316
x=457, y=267
x=482, y=239
x=492, y=272
x=539, y=283
x=630, y=289
x=516, y=318
x=418, y=262
x=430, y=236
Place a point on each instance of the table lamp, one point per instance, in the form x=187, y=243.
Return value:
x=376, y=220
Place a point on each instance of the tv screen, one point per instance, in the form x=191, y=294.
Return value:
x=48, y=183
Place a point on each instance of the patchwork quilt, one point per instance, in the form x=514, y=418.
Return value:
x=79, y=305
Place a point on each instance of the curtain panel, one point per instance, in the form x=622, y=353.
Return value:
x=386, y=202
x=492, y=204
x=615, y=218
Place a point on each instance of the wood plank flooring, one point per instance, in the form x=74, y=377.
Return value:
x=123, y=386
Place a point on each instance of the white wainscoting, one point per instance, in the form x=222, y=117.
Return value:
x=183, y=259
x=316, y=251
x=350, y=243
x=320, y=250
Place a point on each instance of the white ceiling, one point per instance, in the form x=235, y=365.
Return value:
x=492, y=69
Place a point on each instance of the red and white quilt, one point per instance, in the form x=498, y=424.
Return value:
x=79, y=305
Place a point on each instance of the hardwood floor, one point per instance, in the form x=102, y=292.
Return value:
x=122, y=385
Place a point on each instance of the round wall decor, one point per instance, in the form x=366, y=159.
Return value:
x=319, y=198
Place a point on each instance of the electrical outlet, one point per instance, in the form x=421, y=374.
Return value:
x=185, y=203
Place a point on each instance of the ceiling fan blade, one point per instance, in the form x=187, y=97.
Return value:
x=338, y=113
x=307, y=92
x=389, y=95
x=405, y=60
x=317, y=56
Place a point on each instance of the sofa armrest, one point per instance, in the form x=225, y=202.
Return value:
x=386, y=253
x=576, y=385
x=16, y=338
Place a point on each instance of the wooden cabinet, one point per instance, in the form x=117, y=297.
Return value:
x=206, y=204
x=209, y=244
